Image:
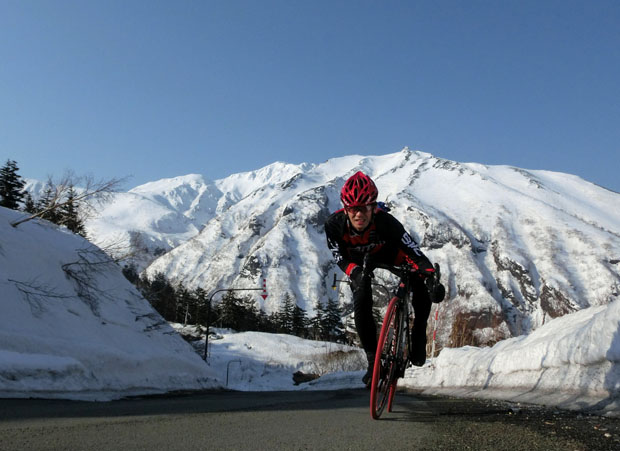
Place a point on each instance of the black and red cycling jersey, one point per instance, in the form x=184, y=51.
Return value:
x=385, y=239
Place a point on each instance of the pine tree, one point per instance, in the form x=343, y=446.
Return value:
x=11, y=186
x=69, y=214
x=230, y=311
x=300, y=322
x=130, y=271
x=185, y=304
x=285, y=316
x=200, y=303
x=265, y=322
x=29, y=205
x=316, y=323
x=47, y=200
x=249, y=316
x=332, y=322
x=274, y=321
x=162, y=296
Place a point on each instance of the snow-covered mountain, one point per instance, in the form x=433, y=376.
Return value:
x=153, y=218
x=517, y=247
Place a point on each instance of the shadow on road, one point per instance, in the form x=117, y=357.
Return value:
x=183, y=403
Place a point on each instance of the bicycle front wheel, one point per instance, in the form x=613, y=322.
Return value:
x=384, y=371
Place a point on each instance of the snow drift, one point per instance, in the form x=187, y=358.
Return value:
x=72, y=326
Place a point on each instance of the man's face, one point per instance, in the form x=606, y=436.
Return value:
x=359, y=216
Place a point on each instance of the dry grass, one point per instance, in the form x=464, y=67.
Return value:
x=333, y=361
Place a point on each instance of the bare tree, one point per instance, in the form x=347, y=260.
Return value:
x=92, y=194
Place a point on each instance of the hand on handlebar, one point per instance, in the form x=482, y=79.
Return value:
x=424, y=268
x=436, y=290
x=359, y=278
x=356, y=276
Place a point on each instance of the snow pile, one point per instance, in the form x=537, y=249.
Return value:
x=257, y=361
x=73, y=327
x=571, y=362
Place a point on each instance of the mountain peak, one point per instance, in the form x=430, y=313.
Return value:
x=515, y=244
x=167, y=184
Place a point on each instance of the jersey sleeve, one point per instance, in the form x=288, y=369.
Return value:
x=406, y=243
x=334, y=233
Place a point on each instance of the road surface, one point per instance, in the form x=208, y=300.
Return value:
x=308, y=420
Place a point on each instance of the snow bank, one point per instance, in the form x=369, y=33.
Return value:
x=73, y=327
x=572, y=362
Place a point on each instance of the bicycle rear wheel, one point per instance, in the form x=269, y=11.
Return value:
x=384, y=371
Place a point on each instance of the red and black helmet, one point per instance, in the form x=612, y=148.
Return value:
x=359, y=190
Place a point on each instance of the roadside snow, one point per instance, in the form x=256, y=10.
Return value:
x=62, y=339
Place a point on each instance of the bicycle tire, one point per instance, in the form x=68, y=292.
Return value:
x=385, y=361
x=391, y=394
x=401, y=353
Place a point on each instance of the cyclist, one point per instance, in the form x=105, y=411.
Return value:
x=365, y=227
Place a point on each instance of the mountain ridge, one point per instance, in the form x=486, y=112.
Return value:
x=508, y=238
x=517, y=246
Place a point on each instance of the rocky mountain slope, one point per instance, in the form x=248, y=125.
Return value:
x=517, y=246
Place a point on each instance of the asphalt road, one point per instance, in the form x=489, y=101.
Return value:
x=296, y=421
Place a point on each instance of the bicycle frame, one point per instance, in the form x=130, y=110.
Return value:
x=394, y=344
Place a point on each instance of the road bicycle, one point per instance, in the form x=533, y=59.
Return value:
x=394, y=345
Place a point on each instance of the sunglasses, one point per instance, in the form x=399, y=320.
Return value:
x=364, y=209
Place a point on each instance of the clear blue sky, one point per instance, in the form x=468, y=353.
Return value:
x=158, y=89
